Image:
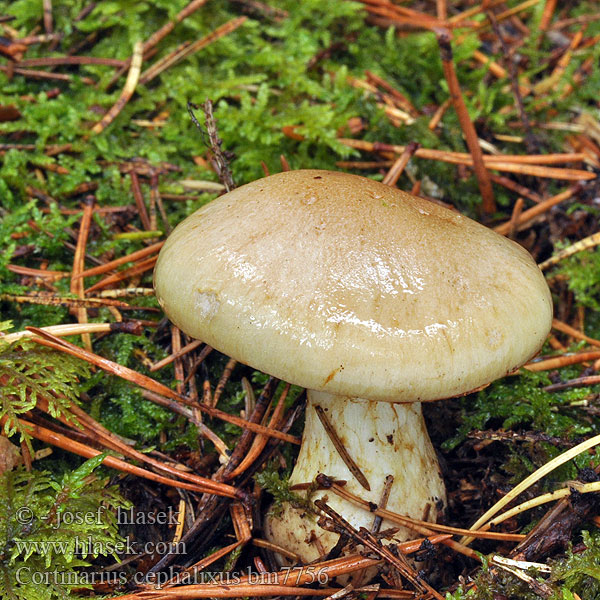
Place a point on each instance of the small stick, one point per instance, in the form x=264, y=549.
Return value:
x=139, y=201
x=514, y=218
x=575, y=333
x=370, y=541
x=539, y=209
x=113, y=264
x=439, y=113
x=130, y=85
x=52, y=61
x=483, y=177
x=385, y=495
x=516, y=187
x=158, y=35
x=35, y=74
x=558, y=362
x=189, y=49
x=77, y=285
x=578, y=382
x=227, y=371
x=140, y=267
x=392, y=176
x=549, y=8
x=175, y=355
x=339, y=446
x=151, y=385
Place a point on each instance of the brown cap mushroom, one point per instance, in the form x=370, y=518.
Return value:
x=367, y=296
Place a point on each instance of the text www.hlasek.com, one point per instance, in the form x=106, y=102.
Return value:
x=91, y=547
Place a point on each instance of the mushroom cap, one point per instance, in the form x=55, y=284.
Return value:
x=338, y=283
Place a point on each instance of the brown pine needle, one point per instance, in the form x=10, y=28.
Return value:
x=483, y=177
x=139, y=201
x=558, y=362
x=392, y=176
x=512, y=164
x=439, y=113
x=113, y=442
x=575, y=333
x=260, y=441
x=542, y=207
x=339, y=446
x=549, y=9
x=182, y=53
x=113, y=264
x=130, y=85
x=140, y=267
x=147, y=383
x=182, y=352
x=70, y=60
x=227, y=371
x=514, y=217
x=56, y=439
x=423, y=527
x=29, y=272
x=77, y=286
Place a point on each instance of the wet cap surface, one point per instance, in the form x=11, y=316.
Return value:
x=339, y=283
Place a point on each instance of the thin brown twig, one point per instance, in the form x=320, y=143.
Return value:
x=50, y=437
x=483, y=177
x=392, y=176
x=188, y=49
x=542, y=207
x=175, y=355
x=341, y=449
x=117, y=262
x=77, y=285
x=158, y=35
x=575, y=333
x=366, y=538
x=136, y=269
x=557, y=362
x=152, y=385
x=139, y=200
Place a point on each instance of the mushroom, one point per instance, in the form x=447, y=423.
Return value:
x=372, y=299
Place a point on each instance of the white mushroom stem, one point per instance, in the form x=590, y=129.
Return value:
x=383, y=439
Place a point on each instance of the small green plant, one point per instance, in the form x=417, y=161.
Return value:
x=30, y=374
x=49, y=531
